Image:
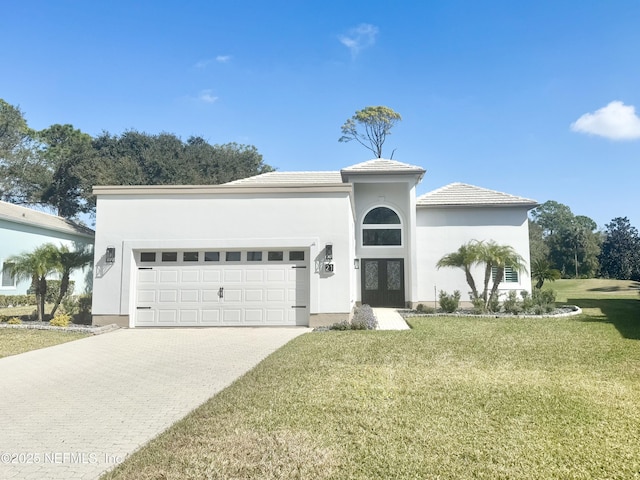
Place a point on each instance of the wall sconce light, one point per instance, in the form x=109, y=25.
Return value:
x=356, y=263
x=110, y=256
x=328, y=252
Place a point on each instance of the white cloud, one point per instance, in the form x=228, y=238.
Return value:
x=359, y=38
x=206, y=96
x=202, y=63
x=208, y=61
x=616, y=121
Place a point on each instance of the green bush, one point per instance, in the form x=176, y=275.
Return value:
x=421, y=308
x=449, y=303
x=14, y=321
x=53, y=290
x=544, y=301
x=527, y=301
x=511, y=305
x=478, y=305
x=494, y=303
x=62, y=320
x=17, y=300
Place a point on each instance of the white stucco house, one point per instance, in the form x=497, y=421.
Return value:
x=290, y=248
x=23, y=230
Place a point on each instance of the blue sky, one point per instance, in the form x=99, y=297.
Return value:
x=531, y=98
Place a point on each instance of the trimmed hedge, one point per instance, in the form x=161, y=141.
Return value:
x=17, y=300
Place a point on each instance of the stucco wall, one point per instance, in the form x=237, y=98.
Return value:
x=442, y=230
x=310, y=221
x=17, y=238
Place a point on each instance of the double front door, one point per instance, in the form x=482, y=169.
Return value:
x=383, y=282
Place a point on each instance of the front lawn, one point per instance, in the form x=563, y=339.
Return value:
x=454, y=398
x=19, y=340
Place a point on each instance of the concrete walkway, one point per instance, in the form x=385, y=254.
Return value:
x=75, y=410
x=389, y=319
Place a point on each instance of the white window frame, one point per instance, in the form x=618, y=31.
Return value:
x=508, y=277
x=382, y=226
x=13, y=278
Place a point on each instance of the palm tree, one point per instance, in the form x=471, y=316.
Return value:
x=35, y=266
x=465, y=257
x=498, y=256
x=491, y=255
x=68, y=261
x=541, y=270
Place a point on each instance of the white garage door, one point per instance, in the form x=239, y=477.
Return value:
x=209, y=288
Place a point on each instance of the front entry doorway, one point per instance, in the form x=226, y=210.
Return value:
x=383, y=282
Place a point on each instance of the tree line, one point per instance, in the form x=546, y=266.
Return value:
x=58, y=166
x=564, y=245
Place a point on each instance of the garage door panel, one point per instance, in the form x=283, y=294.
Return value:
x=253, y=295
x=232, y=275
x=189, y=295
x=190, y=276
x=277, y=275
x=146, y=276
x=254, y=276
x=168, y=296
x=211, y=276
x=209, y=317
x=232, y=295
x=209, y=296
x=189, y=317
x=276, y=294
x=253, y=315
x=168, y=276
x=145, y=318
x=276, y=315
x=232, y=315
x=146, y=296
x=168, y=317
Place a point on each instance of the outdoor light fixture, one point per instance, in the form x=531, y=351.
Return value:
x=356, y=263
x=328, y=252
x=110, y=256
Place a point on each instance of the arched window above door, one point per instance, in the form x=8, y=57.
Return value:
x=381, y=227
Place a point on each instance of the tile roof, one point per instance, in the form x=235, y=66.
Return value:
x=462, y=194
x=28, y=216
x=290, y=178
x=382, y=165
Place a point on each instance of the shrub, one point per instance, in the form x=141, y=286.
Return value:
x=478, y=305
x=14, y=321
x=343, y=325
x=364, y=319
x=449, y=303
x=527, y=301
x=421, y=308
x=60, y=320
x=53, y=290
x=493, y=305
x=511, y=304
x=17, y=300
x=544, y=301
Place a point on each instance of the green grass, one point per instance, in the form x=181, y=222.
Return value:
x=454, y=398
x=17, y=340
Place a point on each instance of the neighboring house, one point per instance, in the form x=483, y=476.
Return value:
x=23, y=230
x=290, y=248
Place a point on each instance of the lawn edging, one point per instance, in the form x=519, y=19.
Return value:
x=90, y=329
x=566, y=311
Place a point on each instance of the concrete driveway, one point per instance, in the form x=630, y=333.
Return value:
x=78, y=409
